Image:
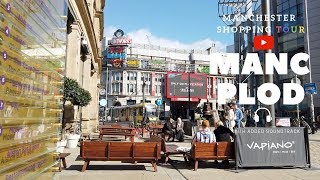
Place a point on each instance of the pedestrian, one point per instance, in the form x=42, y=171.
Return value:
x=109, y=118
x=230, y=117
x=238, y=114
x=245, y=117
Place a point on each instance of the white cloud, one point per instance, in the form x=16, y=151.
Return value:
x=141, y=36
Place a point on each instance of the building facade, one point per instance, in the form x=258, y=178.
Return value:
x=147, y=71
x=84, y=47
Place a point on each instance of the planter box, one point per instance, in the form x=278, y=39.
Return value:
x=73, y=140
x=61, y=145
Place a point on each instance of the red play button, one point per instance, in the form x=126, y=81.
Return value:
x=263, y=42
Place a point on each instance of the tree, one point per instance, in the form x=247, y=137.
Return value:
x=76, y=95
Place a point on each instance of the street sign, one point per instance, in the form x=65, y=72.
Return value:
x=102, y=92
x=103, y=102
x=310, y=88
x=159, y=102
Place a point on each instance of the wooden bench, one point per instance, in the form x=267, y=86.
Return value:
x=117, y=131
x=120, y=151
x=212, y=151
x=167, y=149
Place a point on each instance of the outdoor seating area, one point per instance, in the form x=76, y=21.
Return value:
x=107, y=150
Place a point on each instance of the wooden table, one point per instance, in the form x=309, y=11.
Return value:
x=117, y=131
x=155, y=129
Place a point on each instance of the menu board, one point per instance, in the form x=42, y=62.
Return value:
x=32, y=62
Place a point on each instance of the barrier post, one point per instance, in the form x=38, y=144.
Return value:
x=307, y=146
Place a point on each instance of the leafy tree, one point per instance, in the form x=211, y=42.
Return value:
x=76, y=95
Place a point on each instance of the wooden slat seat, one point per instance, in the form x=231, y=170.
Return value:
x=212, y=151
x=119, y=151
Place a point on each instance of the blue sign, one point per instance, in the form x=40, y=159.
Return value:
x=116, y=56
x=159, y=102
x=310, y=88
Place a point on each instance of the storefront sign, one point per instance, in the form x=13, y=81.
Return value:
x=178, y=85
x=116, y=63
x=157, y=64
x=116, y=49
x=134, y=63
x=120, y=41
x=203, y=69
x=261, y=147
x=116, y=56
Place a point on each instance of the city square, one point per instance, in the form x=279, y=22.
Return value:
x=106, y=89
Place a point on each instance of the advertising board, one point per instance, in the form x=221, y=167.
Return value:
x=178, y=85
x=261, y=147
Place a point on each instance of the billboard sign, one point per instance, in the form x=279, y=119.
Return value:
x=178, y=85
x=261, y=147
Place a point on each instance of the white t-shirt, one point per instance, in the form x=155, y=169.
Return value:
x=205, y=136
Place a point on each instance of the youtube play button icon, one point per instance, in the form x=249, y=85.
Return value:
x=263, y=42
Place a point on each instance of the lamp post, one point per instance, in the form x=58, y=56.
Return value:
x=266, y=8
x=296, y=80
x=189, y=96
x=107, y=77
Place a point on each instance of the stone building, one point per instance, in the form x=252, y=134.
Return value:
x=146, y=71
x=84, y=41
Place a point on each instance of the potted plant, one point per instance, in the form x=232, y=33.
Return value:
x=76, y=96
x=81, y=99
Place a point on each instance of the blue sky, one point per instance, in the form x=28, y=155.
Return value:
x=173, y=23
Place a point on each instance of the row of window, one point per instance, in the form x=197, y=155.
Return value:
x=132, y=76
x=132, y=89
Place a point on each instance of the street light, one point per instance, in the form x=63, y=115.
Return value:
x=106, y=86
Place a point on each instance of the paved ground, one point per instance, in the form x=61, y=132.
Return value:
x=177, y=169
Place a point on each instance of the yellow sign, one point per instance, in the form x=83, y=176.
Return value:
x=135, y=63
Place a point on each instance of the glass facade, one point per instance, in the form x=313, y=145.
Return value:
x=291, y=42
x=31, y=71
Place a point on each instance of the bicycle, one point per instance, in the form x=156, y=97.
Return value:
x=301, y=122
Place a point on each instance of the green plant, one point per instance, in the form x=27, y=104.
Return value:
x=76, y=95
x=82, y=98
x=70, y=89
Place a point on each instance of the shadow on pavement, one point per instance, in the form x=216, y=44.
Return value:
x=108, y=167
x=202, y=165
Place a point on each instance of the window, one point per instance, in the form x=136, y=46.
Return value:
x=210, y=87
x=159, y=77
x=132, y=76
x=116, y=88
x=131, y=88
x=117, y=76
x=147, y=88
x=145, y=77
x=158, y=89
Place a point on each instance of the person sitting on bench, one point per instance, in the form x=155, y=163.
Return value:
x=223, y=134
x=205, y=135
x=168, y=129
